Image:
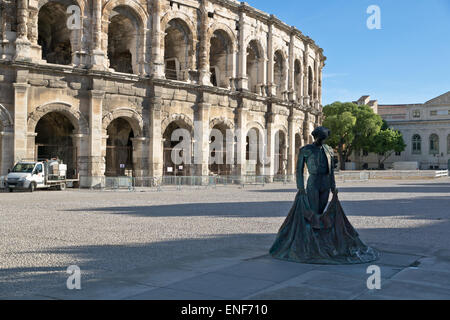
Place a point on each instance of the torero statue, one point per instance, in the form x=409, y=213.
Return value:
x=311, y=234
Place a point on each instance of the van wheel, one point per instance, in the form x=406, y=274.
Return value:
x=10, y=190
x=62, y=187
x=32, y=187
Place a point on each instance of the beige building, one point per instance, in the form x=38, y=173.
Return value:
x=425, y=129
x=103, y=84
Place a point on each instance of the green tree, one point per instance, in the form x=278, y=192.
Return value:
x=352, y=128
x=385, y=143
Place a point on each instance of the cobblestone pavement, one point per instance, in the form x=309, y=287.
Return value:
x=199, y=243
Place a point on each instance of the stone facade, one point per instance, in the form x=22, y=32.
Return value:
x=425, y=129
x=135, y=70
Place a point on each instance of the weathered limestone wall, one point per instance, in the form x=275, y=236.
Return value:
x=284, y=94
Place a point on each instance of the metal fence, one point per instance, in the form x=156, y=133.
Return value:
x=178, y=182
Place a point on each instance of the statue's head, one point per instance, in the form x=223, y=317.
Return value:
x=320, y=134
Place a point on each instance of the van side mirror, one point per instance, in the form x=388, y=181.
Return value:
x=9, y=170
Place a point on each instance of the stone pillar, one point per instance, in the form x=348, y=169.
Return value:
x=269, y=150
x=80, y=141
x=242, y=76
x=306, y=97
x=306, y=131
x=32, y=153
x=96, y=168
x=23, y=45
x=291, y=144
x=291, y=77
x=204, y=67
x=20, y=118
x=98, y=56
x=155, y=138
x=316, y=83
x=241, y=135
x=201, y=144
x=272, y=88
x=6, y=151
x=138, y=157
x=158, y=66
x=322, y=64
x=36, y=51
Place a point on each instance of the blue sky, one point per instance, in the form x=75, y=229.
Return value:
x=407, y=61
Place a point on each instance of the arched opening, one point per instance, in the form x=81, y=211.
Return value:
x=123, y=40
x=254, y=66
x=53, y=35
x=177, y=54
x=177, y=146
x=310, y=82
x=434, y=144
x=280, y=155
x=298, y=78
x=54, y=140
x=279, y=73
x=254, y=146
x=416, y=144
x=298, y=145
x=221, y=156
x=119, y=149
x=220, y=59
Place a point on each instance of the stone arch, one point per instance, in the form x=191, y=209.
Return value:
x=133, y=5
x=218, y=26
x=280, y=71
x=256, y=60
x=179, y=45
x=134, y=16
x=222, y=120
x=255, y=124
x=221, y=49
x=169, y=16
x=79, y=122
x=177, y=117
x=80, y=3
x=6, y=121
x=49, y=30
x=133, y=118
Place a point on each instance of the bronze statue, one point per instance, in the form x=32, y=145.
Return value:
x=311, y=234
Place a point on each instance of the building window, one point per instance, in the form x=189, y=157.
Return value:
x=433, y=113
x=365, y=153
x=398, y=154
x=434, y=144
x=416, y=114
x=416, y=144
x=448, y=144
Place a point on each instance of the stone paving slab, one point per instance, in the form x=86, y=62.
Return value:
x=221, y=285
x=276, y=271
x=397, y=259
x=109, y=289
x=302, y=292
x=400, y=290
x=171, y=294
x=360, y=270
x=419, y=276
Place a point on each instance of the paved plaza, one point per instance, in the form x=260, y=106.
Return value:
x=212, y=243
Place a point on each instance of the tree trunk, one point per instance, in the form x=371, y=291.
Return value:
x=341, y=157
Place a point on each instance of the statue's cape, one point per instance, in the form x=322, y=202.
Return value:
x=329, y=238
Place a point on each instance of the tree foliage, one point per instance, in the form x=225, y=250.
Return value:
x=352, y=128
x=385, y=143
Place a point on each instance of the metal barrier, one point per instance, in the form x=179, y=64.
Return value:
x=178, y=182
x=2, y=184
x=442, y=173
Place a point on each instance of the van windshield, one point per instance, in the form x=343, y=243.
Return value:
x=23, y=168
